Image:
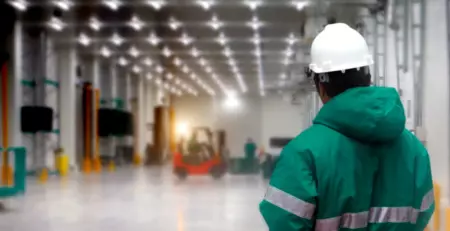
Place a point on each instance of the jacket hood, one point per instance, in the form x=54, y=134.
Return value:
x=367, y=114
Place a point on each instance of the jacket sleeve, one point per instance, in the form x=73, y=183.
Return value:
x=424, y=191
x=290, y=201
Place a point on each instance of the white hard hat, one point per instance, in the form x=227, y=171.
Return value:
x=337, y=48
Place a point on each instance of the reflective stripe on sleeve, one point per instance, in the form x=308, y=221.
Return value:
x=289, y=203
x=427, y=201
x=393, y=215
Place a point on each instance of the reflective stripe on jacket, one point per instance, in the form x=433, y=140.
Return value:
x=356, y=168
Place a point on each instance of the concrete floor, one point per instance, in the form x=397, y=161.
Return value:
x=138, y=199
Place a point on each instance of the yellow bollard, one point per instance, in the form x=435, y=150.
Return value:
x=447, y=219
x=7, y=175
x=137, y=160
x=437, y=207
x=87, y=166
x=111, y=166
x=43, y=175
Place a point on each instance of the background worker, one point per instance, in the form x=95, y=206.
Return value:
x=356, y=167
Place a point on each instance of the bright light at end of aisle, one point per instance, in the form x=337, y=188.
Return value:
x=182, y=129
x=232, y=101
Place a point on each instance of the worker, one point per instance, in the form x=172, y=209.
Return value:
x=356, y=167
x=250, y=149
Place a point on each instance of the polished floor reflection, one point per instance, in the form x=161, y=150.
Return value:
x=138, y=199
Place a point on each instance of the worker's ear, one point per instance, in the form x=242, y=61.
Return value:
x=323, y=94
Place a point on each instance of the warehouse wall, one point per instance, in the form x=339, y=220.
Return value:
x=257, y=118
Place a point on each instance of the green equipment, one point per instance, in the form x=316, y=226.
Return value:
x=19, y=184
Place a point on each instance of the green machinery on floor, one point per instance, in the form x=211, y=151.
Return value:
x=19, y=173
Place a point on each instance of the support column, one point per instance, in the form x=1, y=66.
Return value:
x=113, y=86
x=67, y=73
x=141, y=89
x=95, y=106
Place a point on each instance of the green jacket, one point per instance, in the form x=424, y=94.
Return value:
x=355, y=168
x=250, y=150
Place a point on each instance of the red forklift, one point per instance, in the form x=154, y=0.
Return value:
x=197, y=156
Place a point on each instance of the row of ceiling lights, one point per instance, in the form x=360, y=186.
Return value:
x=157, y=4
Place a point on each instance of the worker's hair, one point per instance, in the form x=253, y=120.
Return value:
x=334, y=83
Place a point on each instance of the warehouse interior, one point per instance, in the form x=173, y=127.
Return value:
x=99, y=97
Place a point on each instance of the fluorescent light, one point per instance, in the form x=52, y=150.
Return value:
x=123, y=61
x=159, y=69
x=136, y=69
x=174, y=24
x=63, y=4
x=185, y=69
x=147, y=61
x=105, y=52
x=222, y=39
x=84, y=40
x=255, y=23
x=134, y=52
x=56, y=24
x=166, y=52
x=177, y=61
x=288, y=52
x=149, y=76
x=253, y=4
x=205, y=4
x=136, y=23
x=283, y=76
x=202, y=62
x=300, y=5
x=157, y=5
x=95, y=24
x=153, y=39
x=20, y=5
x=195, y=52
x=215, y=23
x=227, y=52
x=291, y=39
x=116, y=39
x=256, y=38
x=185, y=39
x=169, y=76
x=112, y=4
x=208, y=69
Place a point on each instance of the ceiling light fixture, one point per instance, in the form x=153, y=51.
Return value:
x=253, y=5
x=136, y=23
x=147, y=62
x=112, y=4
x=169, y=76
x=177, y=61
x=153, y=39
x=185, y=39
x=84, y=40
x=20, y=5
x=195, y=52
x=63, y=4
x=149, y=76
x=255, y=23
x=208, y=69
x=136, y=69
x=123, y=61
x=227, y=52
x=56, y=24
x=116, y=39
x=105, y=52
x=205, y=4
x=185, y=69
x=202, y=62
x=156, y=4
x=222, y=39
x=300, y=5
x=134, y=52
x=159, y=69
x=256, y=38
x=215, y=23
x=166, y=52
x=283, y=76
x=174, y=24
x=291, y=39
x=288, y=52
x=95, y=24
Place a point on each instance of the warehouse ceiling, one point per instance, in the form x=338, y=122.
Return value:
x=191, y=46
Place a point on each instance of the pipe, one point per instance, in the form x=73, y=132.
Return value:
x=4, y=90
x=95, y=128
x=87, y=130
